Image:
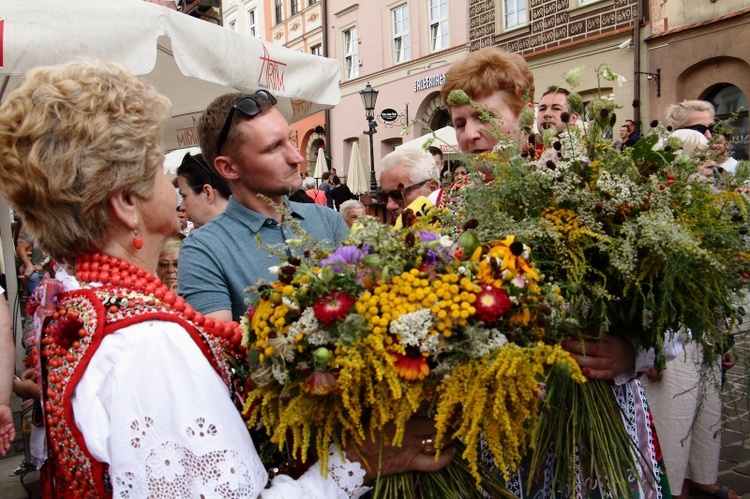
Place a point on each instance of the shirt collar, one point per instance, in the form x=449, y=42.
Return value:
x=252, y=219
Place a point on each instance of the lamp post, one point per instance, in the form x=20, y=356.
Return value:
x=369, y=97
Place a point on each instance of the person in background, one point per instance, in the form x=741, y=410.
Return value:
x=695, y=115
x=318, y=196
x=326, y=187
x=502, y=83
x=624, y=134
x=405, y=175
x=722, y=160
x=169, y=257
x=340, y=193
x=437, y=154
x=633, y=136
x=352, y=210
x=33, y=260
x=459, y=174
x=141, y=386
x=186, y=226
x=204, y=194
x=553, y=104
x=687, y=413
x=7, y=371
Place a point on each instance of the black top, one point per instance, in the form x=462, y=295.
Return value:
x=339, y=194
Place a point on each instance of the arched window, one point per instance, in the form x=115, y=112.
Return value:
x=727, y=99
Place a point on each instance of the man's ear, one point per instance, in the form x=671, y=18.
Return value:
x=124, y=206
x=573, y=118
x=226, y=167
x=433, y=185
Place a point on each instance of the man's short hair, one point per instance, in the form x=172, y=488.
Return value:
x=435, y=151
x=212, y=121
x=351, y=204
x=554, y=89
x=326, y=175
x=420, y=164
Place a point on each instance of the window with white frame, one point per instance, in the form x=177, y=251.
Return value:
x=252, y=19
x=515, y=13
x=278, y=11
x=401, y=47
x=439, y=25
x=351, y=59
x=295, y=6
x=231, y=21
x=317, y=49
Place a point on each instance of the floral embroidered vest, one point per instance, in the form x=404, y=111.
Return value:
x=69, y=340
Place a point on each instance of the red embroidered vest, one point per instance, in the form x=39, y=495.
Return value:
x=69, y=339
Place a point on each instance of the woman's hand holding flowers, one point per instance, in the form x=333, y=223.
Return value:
x=605, y=358
x=415, y=454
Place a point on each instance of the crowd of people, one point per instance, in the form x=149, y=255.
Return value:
x=144, y=399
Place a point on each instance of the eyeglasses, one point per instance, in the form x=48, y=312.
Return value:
x=702, y=129
x=250, y=106
x=398, y=195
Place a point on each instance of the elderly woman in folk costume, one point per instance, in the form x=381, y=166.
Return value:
x=135, y=385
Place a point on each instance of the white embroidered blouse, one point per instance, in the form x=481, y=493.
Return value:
x=151, y=406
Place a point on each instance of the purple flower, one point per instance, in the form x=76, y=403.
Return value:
x=345, y=255
x=430, y=257
x=427, y=235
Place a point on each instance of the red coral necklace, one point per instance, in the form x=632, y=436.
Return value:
x=111, y=271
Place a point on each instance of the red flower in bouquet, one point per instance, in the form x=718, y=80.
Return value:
x=333, y=307
x=491, y=304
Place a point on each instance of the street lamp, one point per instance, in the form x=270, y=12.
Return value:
x=369, y=97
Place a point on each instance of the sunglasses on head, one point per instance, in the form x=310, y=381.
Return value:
x=398, y=195
x=189, y=157
x=250, y=106
x=699, y=128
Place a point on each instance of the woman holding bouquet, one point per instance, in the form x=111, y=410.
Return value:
x=502, y=84
x=135, y=385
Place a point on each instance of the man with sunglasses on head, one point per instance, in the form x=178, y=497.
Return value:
x=406, y=176
x=695, y=115
x=247, y=141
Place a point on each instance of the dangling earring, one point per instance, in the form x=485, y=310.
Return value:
x=137, y=241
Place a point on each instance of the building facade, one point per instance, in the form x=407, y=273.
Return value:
x=700, y=50
x=402, y=49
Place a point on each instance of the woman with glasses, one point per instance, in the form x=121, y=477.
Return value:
x=166, y=269
x=204, y=193
x=695, y=115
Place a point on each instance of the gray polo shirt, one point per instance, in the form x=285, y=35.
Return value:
x=222, y=258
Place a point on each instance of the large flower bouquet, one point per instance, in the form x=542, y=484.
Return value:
x=639, y=242
x=398, y=323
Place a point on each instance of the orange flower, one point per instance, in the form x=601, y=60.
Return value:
x=411, y=368
x=321, y=383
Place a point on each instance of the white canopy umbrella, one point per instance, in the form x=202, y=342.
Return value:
x=442, y=138
x=321, y=166
x=190, y=61
x=357, y=178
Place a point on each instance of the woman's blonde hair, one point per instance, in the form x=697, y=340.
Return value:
x=486, y=71
x=676, y=114
x=70, y=137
